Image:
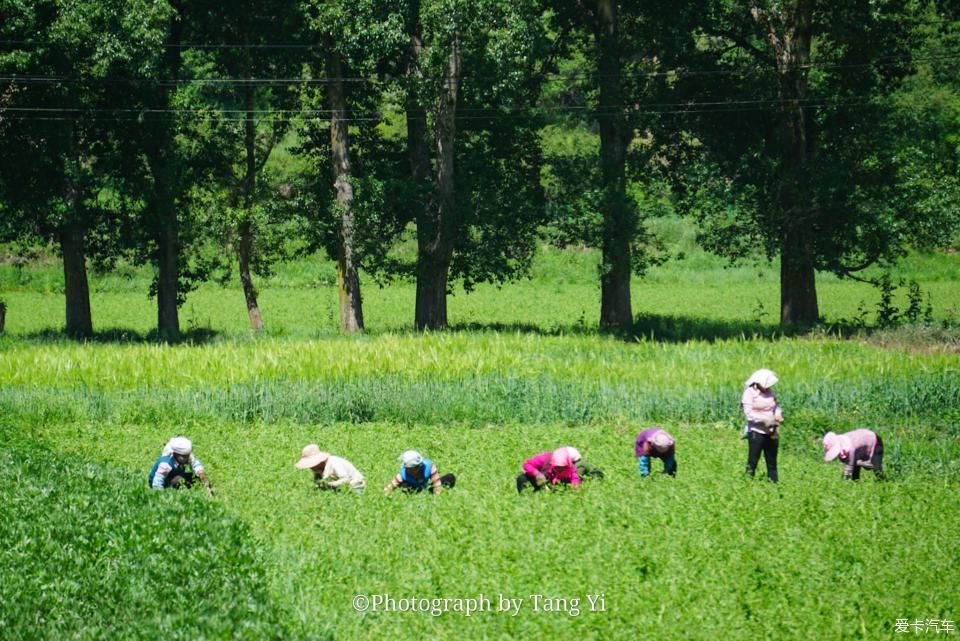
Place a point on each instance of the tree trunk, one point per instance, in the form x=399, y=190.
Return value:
x=619, y=221
x=168, y=264
x=71, y=235
x=436, y=225
x=245, y=228
x=348, y=280
x=76, y=288
x=791, y=46
x=417, y=148
x=798, y=284
x=160, y=157
x=244, y=253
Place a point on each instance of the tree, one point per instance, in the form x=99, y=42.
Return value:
x=603, y=187
x=261, y=71
x=784, y=115
x=58, y=116
x=472, y=75
x=350, y=58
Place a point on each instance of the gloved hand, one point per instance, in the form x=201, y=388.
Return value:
x=540, y=480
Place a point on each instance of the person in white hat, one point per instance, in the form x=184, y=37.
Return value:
x=177, y=467
x=417, y=474
x=764, y=418
x=858, y=449
x=655, y=442
x=330, y=472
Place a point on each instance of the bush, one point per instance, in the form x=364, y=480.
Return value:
x=91, y=553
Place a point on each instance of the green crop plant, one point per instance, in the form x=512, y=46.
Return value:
x=91, y=553
x=707, y=555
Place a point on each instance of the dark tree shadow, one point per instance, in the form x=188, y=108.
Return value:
x=669, y=328
x=122, y=335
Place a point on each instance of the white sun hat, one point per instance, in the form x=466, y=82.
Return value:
x=765, y=378
x=411, y=458
x=178, y=445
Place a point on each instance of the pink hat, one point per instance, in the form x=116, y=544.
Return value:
x=574, y=454
x=833, y=444
x=561, y=457
x=662, y=441
x=311, y=456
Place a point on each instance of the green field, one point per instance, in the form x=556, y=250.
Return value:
x=91, y=553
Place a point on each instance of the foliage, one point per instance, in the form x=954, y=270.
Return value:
x=93, y=554
x=478, y=404
x=83, y=423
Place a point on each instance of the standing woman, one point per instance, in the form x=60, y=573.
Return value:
x=763, y=421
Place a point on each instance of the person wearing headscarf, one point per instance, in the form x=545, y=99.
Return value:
x=550, y=468
x=656, y=442
x=177, y=467
x=330, y=472
x=764, y=418
x=417, y=474
x=858, y=449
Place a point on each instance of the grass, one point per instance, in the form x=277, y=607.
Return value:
x=90, y=553
x=707, y=555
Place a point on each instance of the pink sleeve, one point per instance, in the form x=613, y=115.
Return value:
x=574, y=477
x=532, y=465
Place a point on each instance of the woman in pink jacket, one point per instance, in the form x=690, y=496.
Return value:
x=857, y=449
x=549, y=468
x=763, y=422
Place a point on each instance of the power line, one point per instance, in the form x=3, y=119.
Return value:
x=558, y=76
x=471, y=115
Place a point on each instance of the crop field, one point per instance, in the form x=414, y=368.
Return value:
x=89, y=552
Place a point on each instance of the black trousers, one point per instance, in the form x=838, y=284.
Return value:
x=766, y=444
x=447, y=480
x=177, y=481
x=523, y=481
x=876, y=461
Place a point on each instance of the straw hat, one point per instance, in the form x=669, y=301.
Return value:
x=411, y=458
x=763, y=377
x=311, y=456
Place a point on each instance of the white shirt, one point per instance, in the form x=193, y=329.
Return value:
x=339, y=471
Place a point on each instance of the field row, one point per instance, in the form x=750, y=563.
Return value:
x=797, y=560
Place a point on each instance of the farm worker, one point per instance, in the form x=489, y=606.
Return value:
x=856, y=449
x=177, y=466
x=656, y=442
x=763, y=421
x=550, y=468
x=330, y=472
x=418, y=473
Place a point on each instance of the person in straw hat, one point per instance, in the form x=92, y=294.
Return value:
x=857, y=449
x=417, y=474
x=547, y=469
x=764, y=418
x=177, y=467
x=330, y=472
x=656, y=442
